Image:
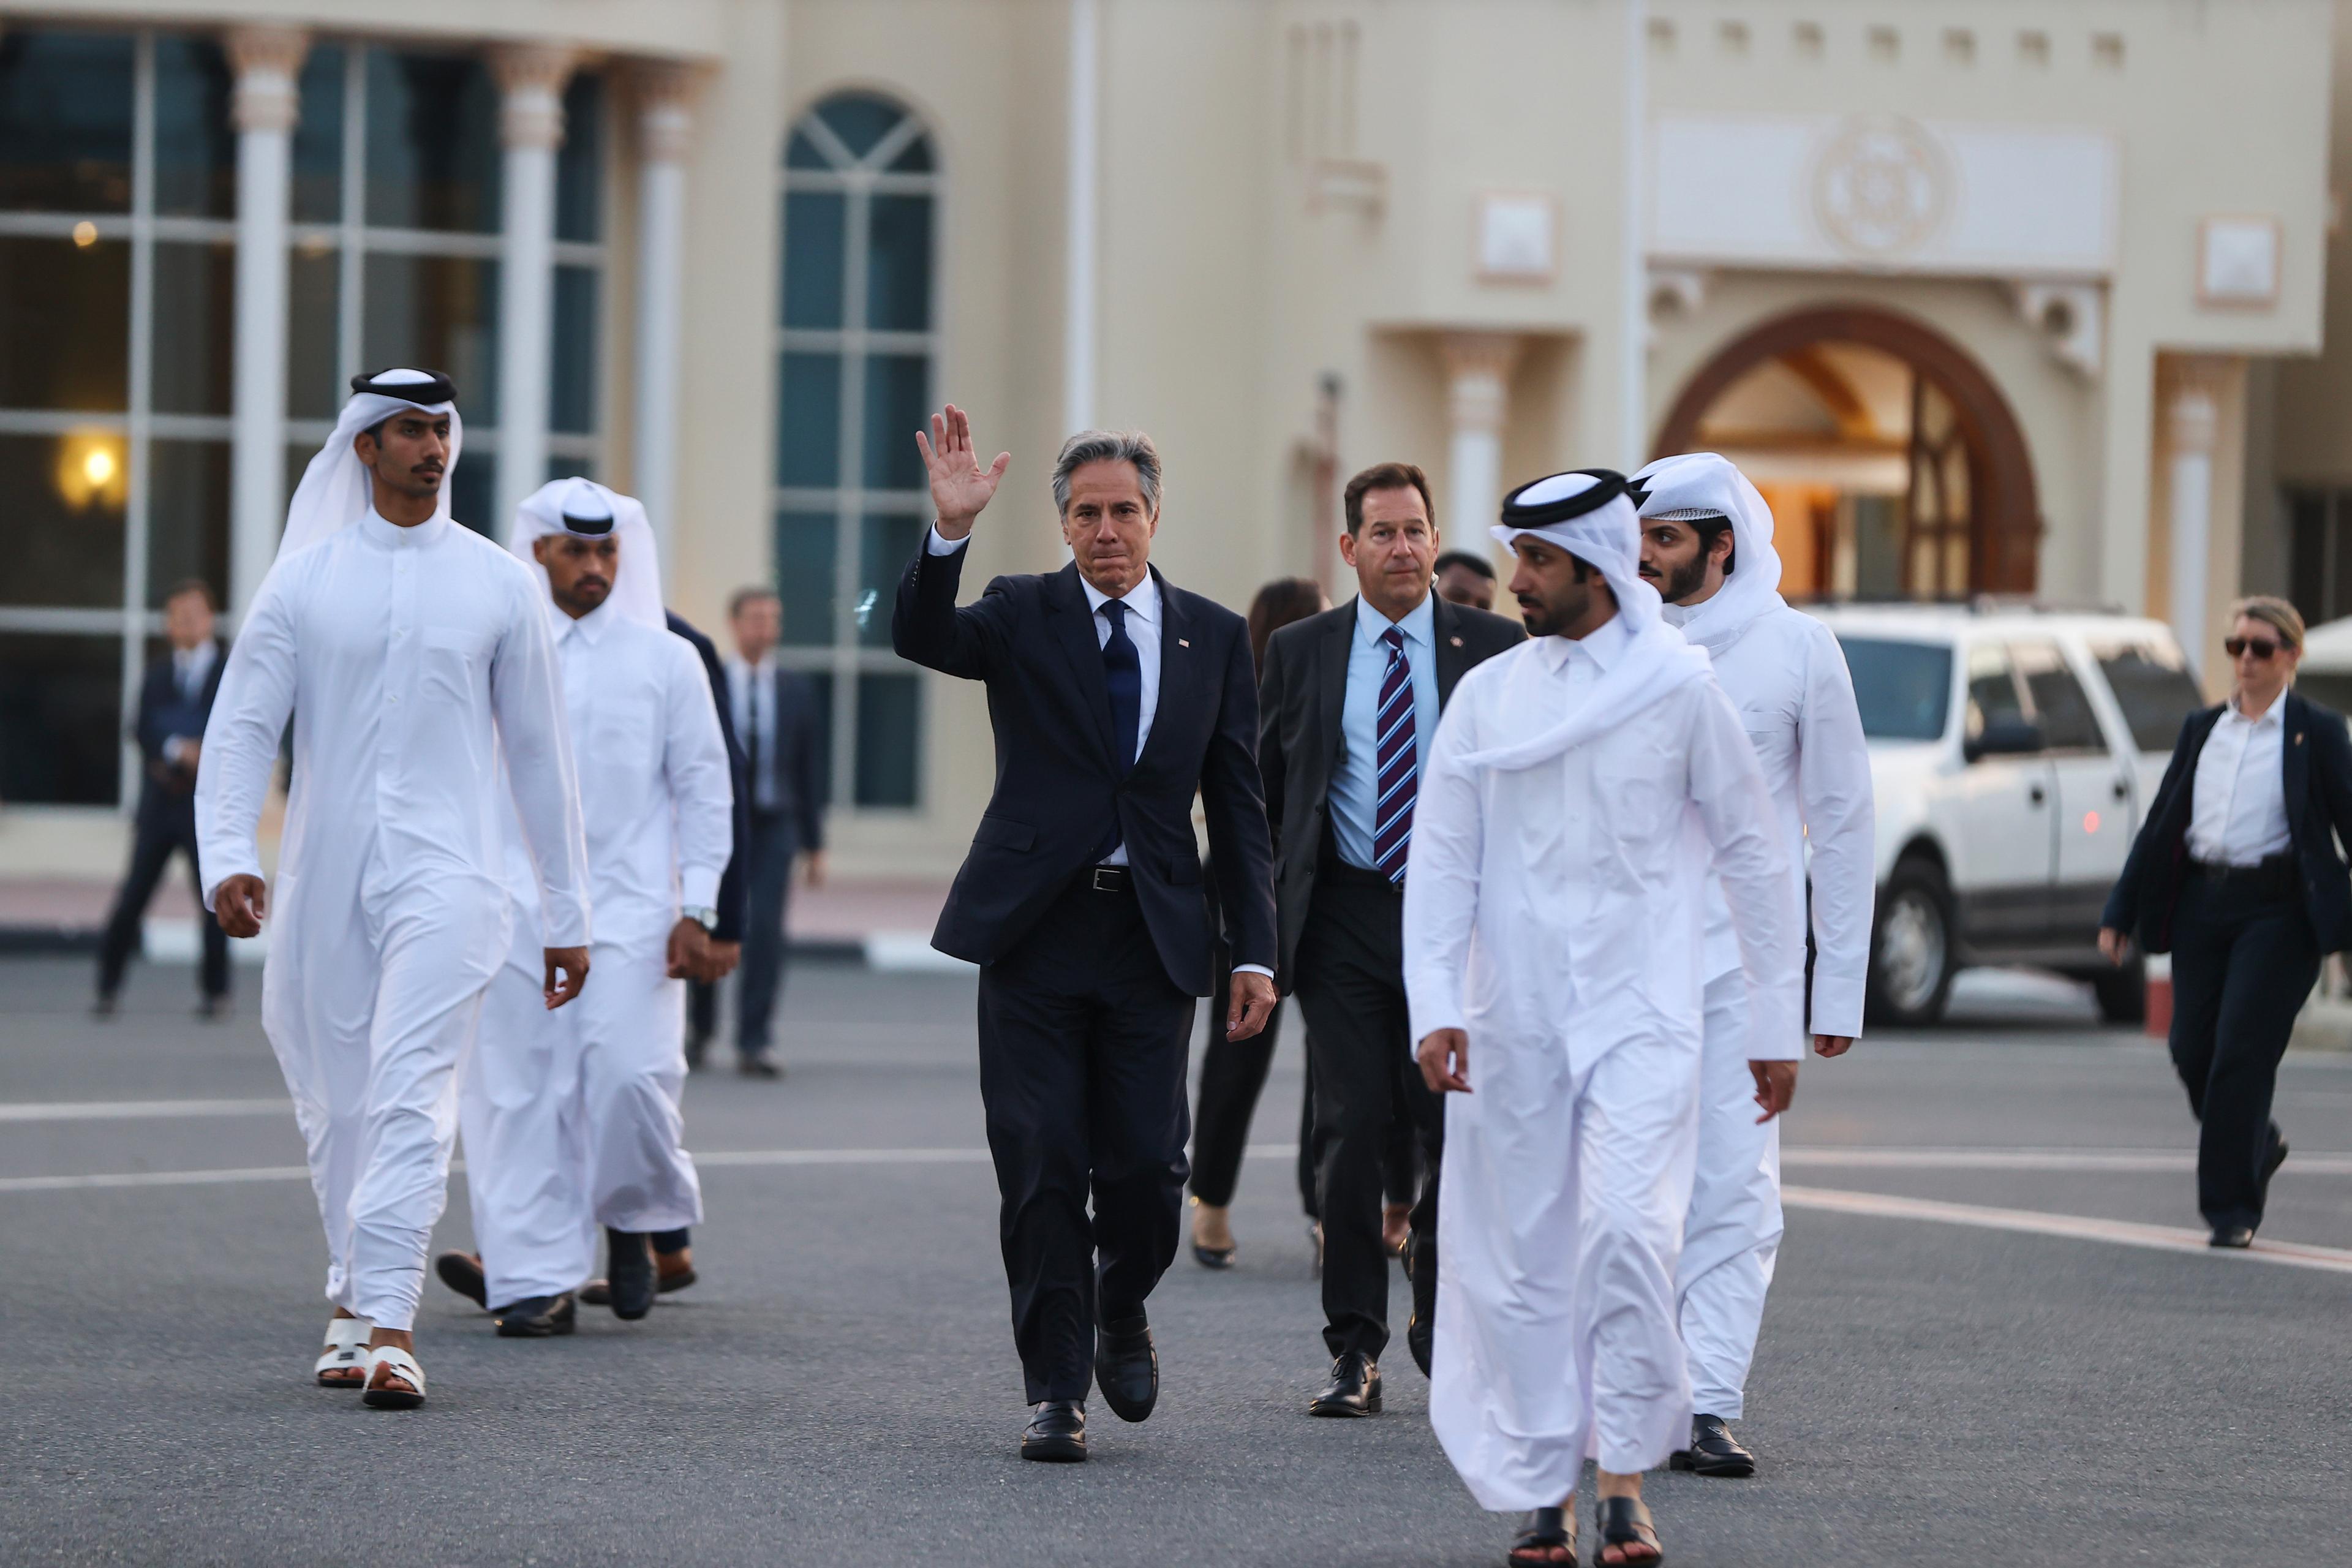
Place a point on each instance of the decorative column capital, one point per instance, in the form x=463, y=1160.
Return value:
x=665, y=110
x=266, y=61
x=1477, y=374
x=531, y=78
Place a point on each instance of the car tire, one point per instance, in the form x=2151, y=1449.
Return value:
x=1912, y=951
x=2123, y=993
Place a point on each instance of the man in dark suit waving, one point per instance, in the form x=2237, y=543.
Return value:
x=1351, y=698
x=1115, y=697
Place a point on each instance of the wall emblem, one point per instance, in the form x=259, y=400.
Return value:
x=1882, y=187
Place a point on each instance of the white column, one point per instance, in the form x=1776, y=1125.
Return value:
x=1477, y=392
x=530, y=124
x=266, y=60
x=664, y=125
x=1633, y=280
x=1084, y=147
x=2192, y=422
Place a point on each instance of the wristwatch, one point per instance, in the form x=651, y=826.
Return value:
x=708, y=919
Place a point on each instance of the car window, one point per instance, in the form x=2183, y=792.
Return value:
x=1904, y=689
x=2060, y=704
x=1993, y=697
x=2153, y=689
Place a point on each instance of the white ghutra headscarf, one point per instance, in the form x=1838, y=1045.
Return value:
x=1702, y=485
x=586, y=510
x=1589, y=514
x=336, y=491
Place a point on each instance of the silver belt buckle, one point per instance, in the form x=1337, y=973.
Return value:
x=1105, y=878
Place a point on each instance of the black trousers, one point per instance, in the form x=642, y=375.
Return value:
x=1082, y=1042
x=769, y=854
x=1351, y=985
x=159, y=835
x=2243, y=959
x=1232, y=1075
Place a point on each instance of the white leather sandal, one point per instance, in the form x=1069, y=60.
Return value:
x=346, y=1350
x=399, y=1362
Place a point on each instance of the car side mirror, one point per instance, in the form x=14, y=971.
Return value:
x=2004, y=738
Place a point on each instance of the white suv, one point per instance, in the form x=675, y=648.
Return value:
x=2012, y=752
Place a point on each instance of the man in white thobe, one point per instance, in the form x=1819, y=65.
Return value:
x=571, y=1120
x=412, y=655
x=1578, y=790
x=1707, y=547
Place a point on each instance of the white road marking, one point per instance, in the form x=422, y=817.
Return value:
x=139, y=1109
x=2068, y=1227
x=1831, y=1157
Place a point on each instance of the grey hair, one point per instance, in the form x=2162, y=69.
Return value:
x=1107, y=446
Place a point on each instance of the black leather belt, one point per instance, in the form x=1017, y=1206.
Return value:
x=1110, y=879
x=2275, y=874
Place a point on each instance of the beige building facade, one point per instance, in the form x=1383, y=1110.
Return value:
x=1990, y=297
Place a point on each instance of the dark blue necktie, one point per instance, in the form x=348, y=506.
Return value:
x=1123, y=674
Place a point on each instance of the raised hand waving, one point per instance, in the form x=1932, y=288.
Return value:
x=961, y=488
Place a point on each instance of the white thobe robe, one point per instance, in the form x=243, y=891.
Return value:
x=411, y=660
x=1787, y=676
x=571, y=1118
x=1556, y=913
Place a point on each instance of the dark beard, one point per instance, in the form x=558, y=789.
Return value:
x=1683, y=581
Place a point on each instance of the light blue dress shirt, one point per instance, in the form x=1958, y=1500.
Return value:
x=1355, y=773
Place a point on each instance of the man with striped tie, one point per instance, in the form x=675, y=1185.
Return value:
x=1349, y=704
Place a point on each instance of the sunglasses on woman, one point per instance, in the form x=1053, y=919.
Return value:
x=2261, y=647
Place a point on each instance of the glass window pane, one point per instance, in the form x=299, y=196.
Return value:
x=897, y=389
x=473, y=487
x=808, y=421
x=313, y=286
x=572, y=396
x=802, y=154
x=65, y=324
x=1992, y=691
x=560, y=467
x=2060, y=704
x=804, y=556
x=820, y=698
x=319, y=137
x=65, y=122
x=432, y=142
x=2154, y=693
x=187, y=516
x=61, y=712
x=898, y=264
x=888, y=707
x=435, y=312
x=195, y=307
x=1903, y=689
x=916, y=159
x=886, y=544
x=196, y=147
x=813, y=239
x=66, y=497
x=580, y=162
x=859, y=118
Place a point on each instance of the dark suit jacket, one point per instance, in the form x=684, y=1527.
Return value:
x=164, y=712
x=1300, y=700
x=730, y=883
x=2316, y=756
x=798, y=767
x=1031, y=639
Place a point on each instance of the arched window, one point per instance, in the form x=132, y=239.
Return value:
x=857, y=336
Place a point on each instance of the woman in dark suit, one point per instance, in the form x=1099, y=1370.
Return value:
x=2237, y=874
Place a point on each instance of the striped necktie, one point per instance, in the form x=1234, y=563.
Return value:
x=1397, y=749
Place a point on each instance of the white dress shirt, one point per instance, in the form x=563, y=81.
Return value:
x=1143, y=624
x=2238, y=804
x=190, y=667
x=1355, y=773
x=655, y=798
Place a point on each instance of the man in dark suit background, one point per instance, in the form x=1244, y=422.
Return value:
x=1349, y=704
x=1115, y=697
x=173, y=704
x=774, y=714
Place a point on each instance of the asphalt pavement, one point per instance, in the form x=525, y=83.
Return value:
x=1941, y=1380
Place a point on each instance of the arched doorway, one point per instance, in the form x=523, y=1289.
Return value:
x=1893, y=464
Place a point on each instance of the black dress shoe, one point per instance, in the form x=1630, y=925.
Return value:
x=696, y=1047
x=462, y=1272
x=1419, y=1334
x=759, y=1067
x=629, y=1272
x=1354, y=1388
x=1712, y=1451
x=537, y=1317
x=1056, y=1433
x=2236, y=1238
x=2271, y=1165
x=1127, y=1368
